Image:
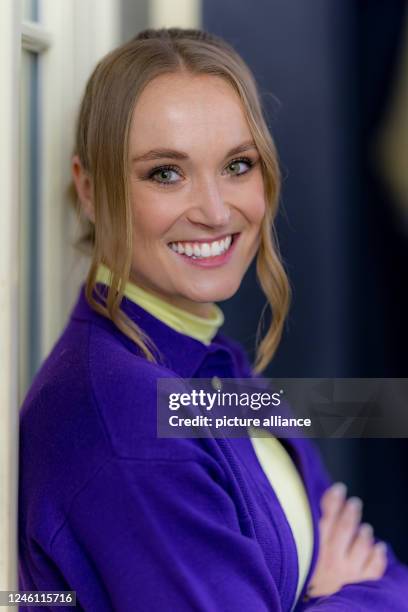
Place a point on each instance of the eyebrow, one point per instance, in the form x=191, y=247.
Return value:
x=172, y=154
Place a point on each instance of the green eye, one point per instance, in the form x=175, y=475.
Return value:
x=236, y=164
x=162, y=175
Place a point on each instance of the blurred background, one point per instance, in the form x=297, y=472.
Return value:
x=333, y=78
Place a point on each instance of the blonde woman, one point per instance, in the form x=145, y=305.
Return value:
x=178, y=180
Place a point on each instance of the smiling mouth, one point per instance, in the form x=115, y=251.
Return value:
x=203, y=250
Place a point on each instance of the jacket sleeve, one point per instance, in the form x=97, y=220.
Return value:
x=388, y=593
x=147, y=535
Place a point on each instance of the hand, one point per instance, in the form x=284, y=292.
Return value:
x=347, y=552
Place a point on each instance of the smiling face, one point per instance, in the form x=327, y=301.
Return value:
x=198, y=206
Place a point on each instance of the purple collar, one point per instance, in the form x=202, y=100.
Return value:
x=180, y=352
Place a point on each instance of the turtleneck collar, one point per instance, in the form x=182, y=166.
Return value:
x=201, y=328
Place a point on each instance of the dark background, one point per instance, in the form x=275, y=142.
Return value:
x=326, y=72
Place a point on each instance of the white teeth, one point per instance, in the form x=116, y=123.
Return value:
x=202, y=250
x=217, y=248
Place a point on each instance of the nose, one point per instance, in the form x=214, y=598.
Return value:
x=208, y=206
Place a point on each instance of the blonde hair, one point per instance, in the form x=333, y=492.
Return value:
x=102, y=141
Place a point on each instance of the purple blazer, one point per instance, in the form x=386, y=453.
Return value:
x=132, y=522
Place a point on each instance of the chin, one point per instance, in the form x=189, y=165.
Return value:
x=213, y=294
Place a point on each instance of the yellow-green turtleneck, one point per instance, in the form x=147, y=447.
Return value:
x=200, y=328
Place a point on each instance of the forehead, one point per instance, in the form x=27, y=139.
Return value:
x=181, y=110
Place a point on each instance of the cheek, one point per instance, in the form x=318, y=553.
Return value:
x=255, y=202
x=255, y=209
x=259, y=210
x=151, y=219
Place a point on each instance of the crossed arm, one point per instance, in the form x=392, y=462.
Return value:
x=354, y=571
x=347, y=551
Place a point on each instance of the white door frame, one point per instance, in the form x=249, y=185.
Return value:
x=10, y=36
x=71, y=37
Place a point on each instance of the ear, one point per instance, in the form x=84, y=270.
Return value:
x=83, y=184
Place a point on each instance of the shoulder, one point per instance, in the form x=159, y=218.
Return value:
x=94, y=398
x=122, y=390
x=92, y=402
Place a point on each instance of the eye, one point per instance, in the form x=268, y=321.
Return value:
x=236, y=163
x=163, y=172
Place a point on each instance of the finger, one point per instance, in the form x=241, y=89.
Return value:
x=331, y=504
x=334, y=495
x=361, y=548
x=346, y=525
x=376, y=563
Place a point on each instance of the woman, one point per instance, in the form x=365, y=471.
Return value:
x=177, y=177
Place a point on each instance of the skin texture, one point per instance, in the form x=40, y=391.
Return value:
x=207, y=195
x=347, y=552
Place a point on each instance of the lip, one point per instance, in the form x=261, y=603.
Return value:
x=211, y=262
